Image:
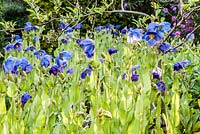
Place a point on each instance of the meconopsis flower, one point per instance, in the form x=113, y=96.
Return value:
x=86, y=72
x=164, y=47
x=64, y=40
x=62, y=26
x=157, y=73
x=17, y=38
x=29, y=27
x=45, y=62
x=135, y=76
x=117, y=26
x=189, y=37
x=40, y=54
x=70, y=71
x=99, y=28
x=17, y=46
x=54, y=70
x=22, y=65
x=87, y=46
x=25, y=97
x=124, y=31
x=159, y=28
x=30, y=48
x=181, y=64
x=134, y=35
x=161, y=86
x=8, y=47
x=151, y=38
x=8, y=64
x=112, y=51
x=62, y=58
x=78, y=26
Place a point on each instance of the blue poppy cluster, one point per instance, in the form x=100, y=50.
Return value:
x=16, y=45
x=16, y=67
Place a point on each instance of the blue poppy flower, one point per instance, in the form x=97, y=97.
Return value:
x=30, y=48
x=164, y=47
x=8, y=64
x=161, y=86
x=17, y=46
x=25, y=97
x=101, y=60
x=64, y=40
x=36, y=38
x=112, y=51
x=124, y=31
x=99, y=28
x=22, y=65
x=115, y=33
x=189, y=37
x=8, y=47
x=157, y=73
x=159, y=28
x=134, y=77
x=181, y=64
x=17, y=38
x=123, y=76
x=70, y=71
x=62, y=26
x=152, y=38
x=87, y=46
x=68, y=30
x=40, y=54
x=61, y=59
x=117, y=27
x=78, y=26
x=46, y=60
x=86, y=72
x=29, y=27
x=135, y=67
x=134, y=35
x=109, y=27
x=54, y=70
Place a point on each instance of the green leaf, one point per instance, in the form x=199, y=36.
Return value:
x=2, y=105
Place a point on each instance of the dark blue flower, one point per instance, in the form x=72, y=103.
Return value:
x=40, y=54
x=70, y=71
x=109, y=27
x=8, y=64
x=87, y=46
x=62, y=26
x=117, y=27
x=134, y=77
x=8, y=47
x=64, y=40
x=115, y=33
x=46, y=60
x=68, y=30
x=123, y=76
x=54, y=70
x=157, y=73
x=78, y=26
x=101, y=60
x=30, y=48
x=36, y=38
x=78, y=41
x=17, y=46
x=29, y=27
x=124, y=31
x=164, y=47
x=25, y=97
x=161, y=86
x=86, y=72
x=112, y=51
x=152, y=38
x=181, y=64
x=99, y=28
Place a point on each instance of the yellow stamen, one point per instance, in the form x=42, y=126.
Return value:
x=151, y=36
x=160, y=27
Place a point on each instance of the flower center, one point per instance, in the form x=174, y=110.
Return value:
x=16, y=46
x=40, y=53
x=151, y=36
